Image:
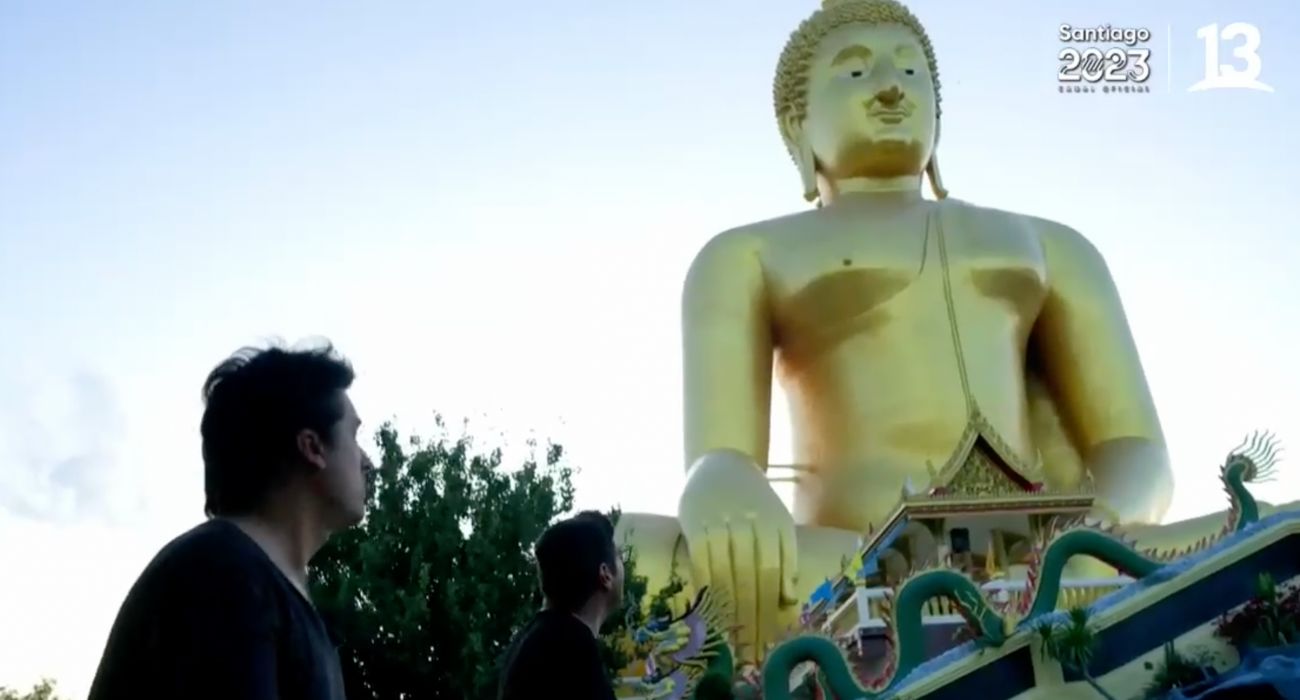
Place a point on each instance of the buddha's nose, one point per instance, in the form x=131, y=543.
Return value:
x=890, y=97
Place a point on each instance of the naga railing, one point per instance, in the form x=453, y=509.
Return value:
x=869, y=603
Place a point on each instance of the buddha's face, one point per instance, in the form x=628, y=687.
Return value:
x=871, y=103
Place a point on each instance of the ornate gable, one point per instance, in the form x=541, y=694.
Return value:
x=983, y=466
x=982, y=474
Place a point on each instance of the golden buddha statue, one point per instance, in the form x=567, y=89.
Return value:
x=897, y=325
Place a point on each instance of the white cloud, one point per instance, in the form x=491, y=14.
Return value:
x=61, y=439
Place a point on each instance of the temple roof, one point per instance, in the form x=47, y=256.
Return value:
x=985, y=472
x=983, y=476
x=978, y=479
x=980, y=438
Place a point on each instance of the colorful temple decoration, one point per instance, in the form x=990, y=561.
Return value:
x=1159, y=598
x=979, y=515
x=979, y=358
x=685, y=649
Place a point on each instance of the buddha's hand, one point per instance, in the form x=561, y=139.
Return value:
x=742, y=541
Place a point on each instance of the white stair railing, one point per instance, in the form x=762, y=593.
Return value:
x=867, y=603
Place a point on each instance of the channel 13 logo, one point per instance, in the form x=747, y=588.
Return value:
x=1226, y=76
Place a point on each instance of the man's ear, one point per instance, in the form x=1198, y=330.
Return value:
x=606, y=576
x=312, y=448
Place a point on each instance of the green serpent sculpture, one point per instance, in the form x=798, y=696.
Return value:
x=1251, y=462
x=692, y=648
x=696, y=648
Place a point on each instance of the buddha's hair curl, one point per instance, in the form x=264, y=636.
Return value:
x=790, y=88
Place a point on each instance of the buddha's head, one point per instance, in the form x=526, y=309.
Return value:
x=857, y=95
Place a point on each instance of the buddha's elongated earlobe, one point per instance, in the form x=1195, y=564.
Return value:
x=932, y=167
x=936, y=181
x=807, y=170
x=801, y=153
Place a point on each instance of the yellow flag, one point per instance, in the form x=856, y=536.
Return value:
x=855, y=566
x=990, y=563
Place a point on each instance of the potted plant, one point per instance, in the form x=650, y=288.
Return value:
x=1072, y=643
x=1270, y=619
x=1177, y=670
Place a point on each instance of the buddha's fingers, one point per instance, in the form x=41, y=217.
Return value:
x=767, y=551
x=789, y=558
x=743, y=541
x=701, y=560
x=721, y=570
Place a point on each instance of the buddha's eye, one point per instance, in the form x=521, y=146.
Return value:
x=856, y=73
x=910, y=71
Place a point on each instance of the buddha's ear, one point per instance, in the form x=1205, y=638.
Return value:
x=932, y=167
x=801, y=151
x=936, y=180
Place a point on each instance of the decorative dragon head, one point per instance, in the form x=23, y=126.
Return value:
x=1254, y=458
x=1250, y=462
x=684, y=649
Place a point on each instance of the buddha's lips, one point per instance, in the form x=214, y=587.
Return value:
x=889, y=116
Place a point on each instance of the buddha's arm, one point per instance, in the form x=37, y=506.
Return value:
x=727, y=350
x=1092, y=367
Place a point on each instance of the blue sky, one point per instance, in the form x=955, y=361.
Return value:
x=490, y=208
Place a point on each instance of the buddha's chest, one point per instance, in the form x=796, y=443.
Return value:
x=921, y=263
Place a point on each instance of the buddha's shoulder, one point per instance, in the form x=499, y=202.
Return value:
x=986, y=216
x=777, y=230
x=770, y=230
x=753, y=241
x=769, y=235
x=1050, y=233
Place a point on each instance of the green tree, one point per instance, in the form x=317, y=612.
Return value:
x=617, y=646
x=1072, y=643
x=426, y=594
x=41, y=691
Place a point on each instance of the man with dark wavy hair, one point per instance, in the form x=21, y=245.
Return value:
x=223, y=610
x=557, y=654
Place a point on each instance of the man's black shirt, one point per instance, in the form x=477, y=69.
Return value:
x=213, y=618
x=555, y=656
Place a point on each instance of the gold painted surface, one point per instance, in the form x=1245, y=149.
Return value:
x=902, y=329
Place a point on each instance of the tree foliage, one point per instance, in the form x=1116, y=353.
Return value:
x=617, y=646
x=426, y=594
x=1271, y=617
x=1073, y=644
x=43, y=690
x=1176, y=670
